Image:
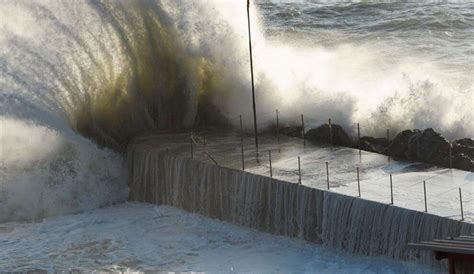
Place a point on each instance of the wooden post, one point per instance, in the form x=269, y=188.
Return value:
x=460, y=202
x=450, y=155
x=424, y=193
x=391, y=190
x=270, y=159
x=358, y=181
x=299, y=170
x=242, y=143
x=302, y=130
x=358, y=136
x=327, y=173
x=330, y=131
x=253, y=86
x=278, y=130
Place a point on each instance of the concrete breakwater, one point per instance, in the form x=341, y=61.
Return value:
x=342, y=222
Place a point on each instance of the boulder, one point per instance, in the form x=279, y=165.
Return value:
x=461, y=161
x=399, y=146
x=428, y=146
x=322, y=134
x=464, y=146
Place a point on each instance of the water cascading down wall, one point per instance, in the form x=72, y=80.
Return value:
x=351, y=224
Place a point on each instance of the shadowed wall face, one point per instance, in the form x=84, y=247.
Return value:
x=354, y=225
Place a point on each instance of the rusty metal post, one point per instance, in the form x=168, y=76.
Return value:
x=358, y=181
x=424, y=193
x=391, y=190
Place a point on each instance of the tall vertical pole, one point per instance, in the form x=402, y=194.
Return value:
x=358, y=181
x=242, y=142
x=270, y=160
x=460, y=201
x=424, y=194
x=253, y=86
x=299, y=170
x=302, y=130
x=278, y=130
x=327, y=173
x=391, y=190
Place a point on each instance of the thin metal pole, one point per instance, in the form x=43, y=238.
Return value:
x=278, y=130
x=424, y=193
x=460, y=201
x=299, y=170
x=242, y=143
x=358, y=181
x=391, y=190
x=327, y=173
x=253, y=86
x=270, y=159
x=330, y=131
x=302, y=130
x=358, y=136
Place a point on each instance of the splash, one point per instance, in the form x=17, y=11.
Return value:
x=78, y=78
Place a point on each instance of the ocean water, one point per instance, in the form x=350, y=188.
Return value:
x=78, y=79
x=139, y=237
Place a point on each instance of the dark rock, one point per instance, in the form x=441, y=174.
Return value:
x=467, y=142
x=460, y=161
x=372, y=144
x=322, y=134
x=428, y=146
x=399, y=146
x=464, y=146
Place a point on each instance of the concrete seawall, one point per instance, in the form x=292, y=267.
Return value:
x=351, y=224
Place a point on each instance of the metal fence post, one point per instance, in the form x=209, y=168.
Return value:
x=358, y=181
x=299, y=170
x=327, y=173
x=424, y=193
x=391, y=190
x=460, y=201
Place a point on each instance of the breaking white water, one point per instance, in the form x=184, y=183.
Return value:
x=133, y=236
